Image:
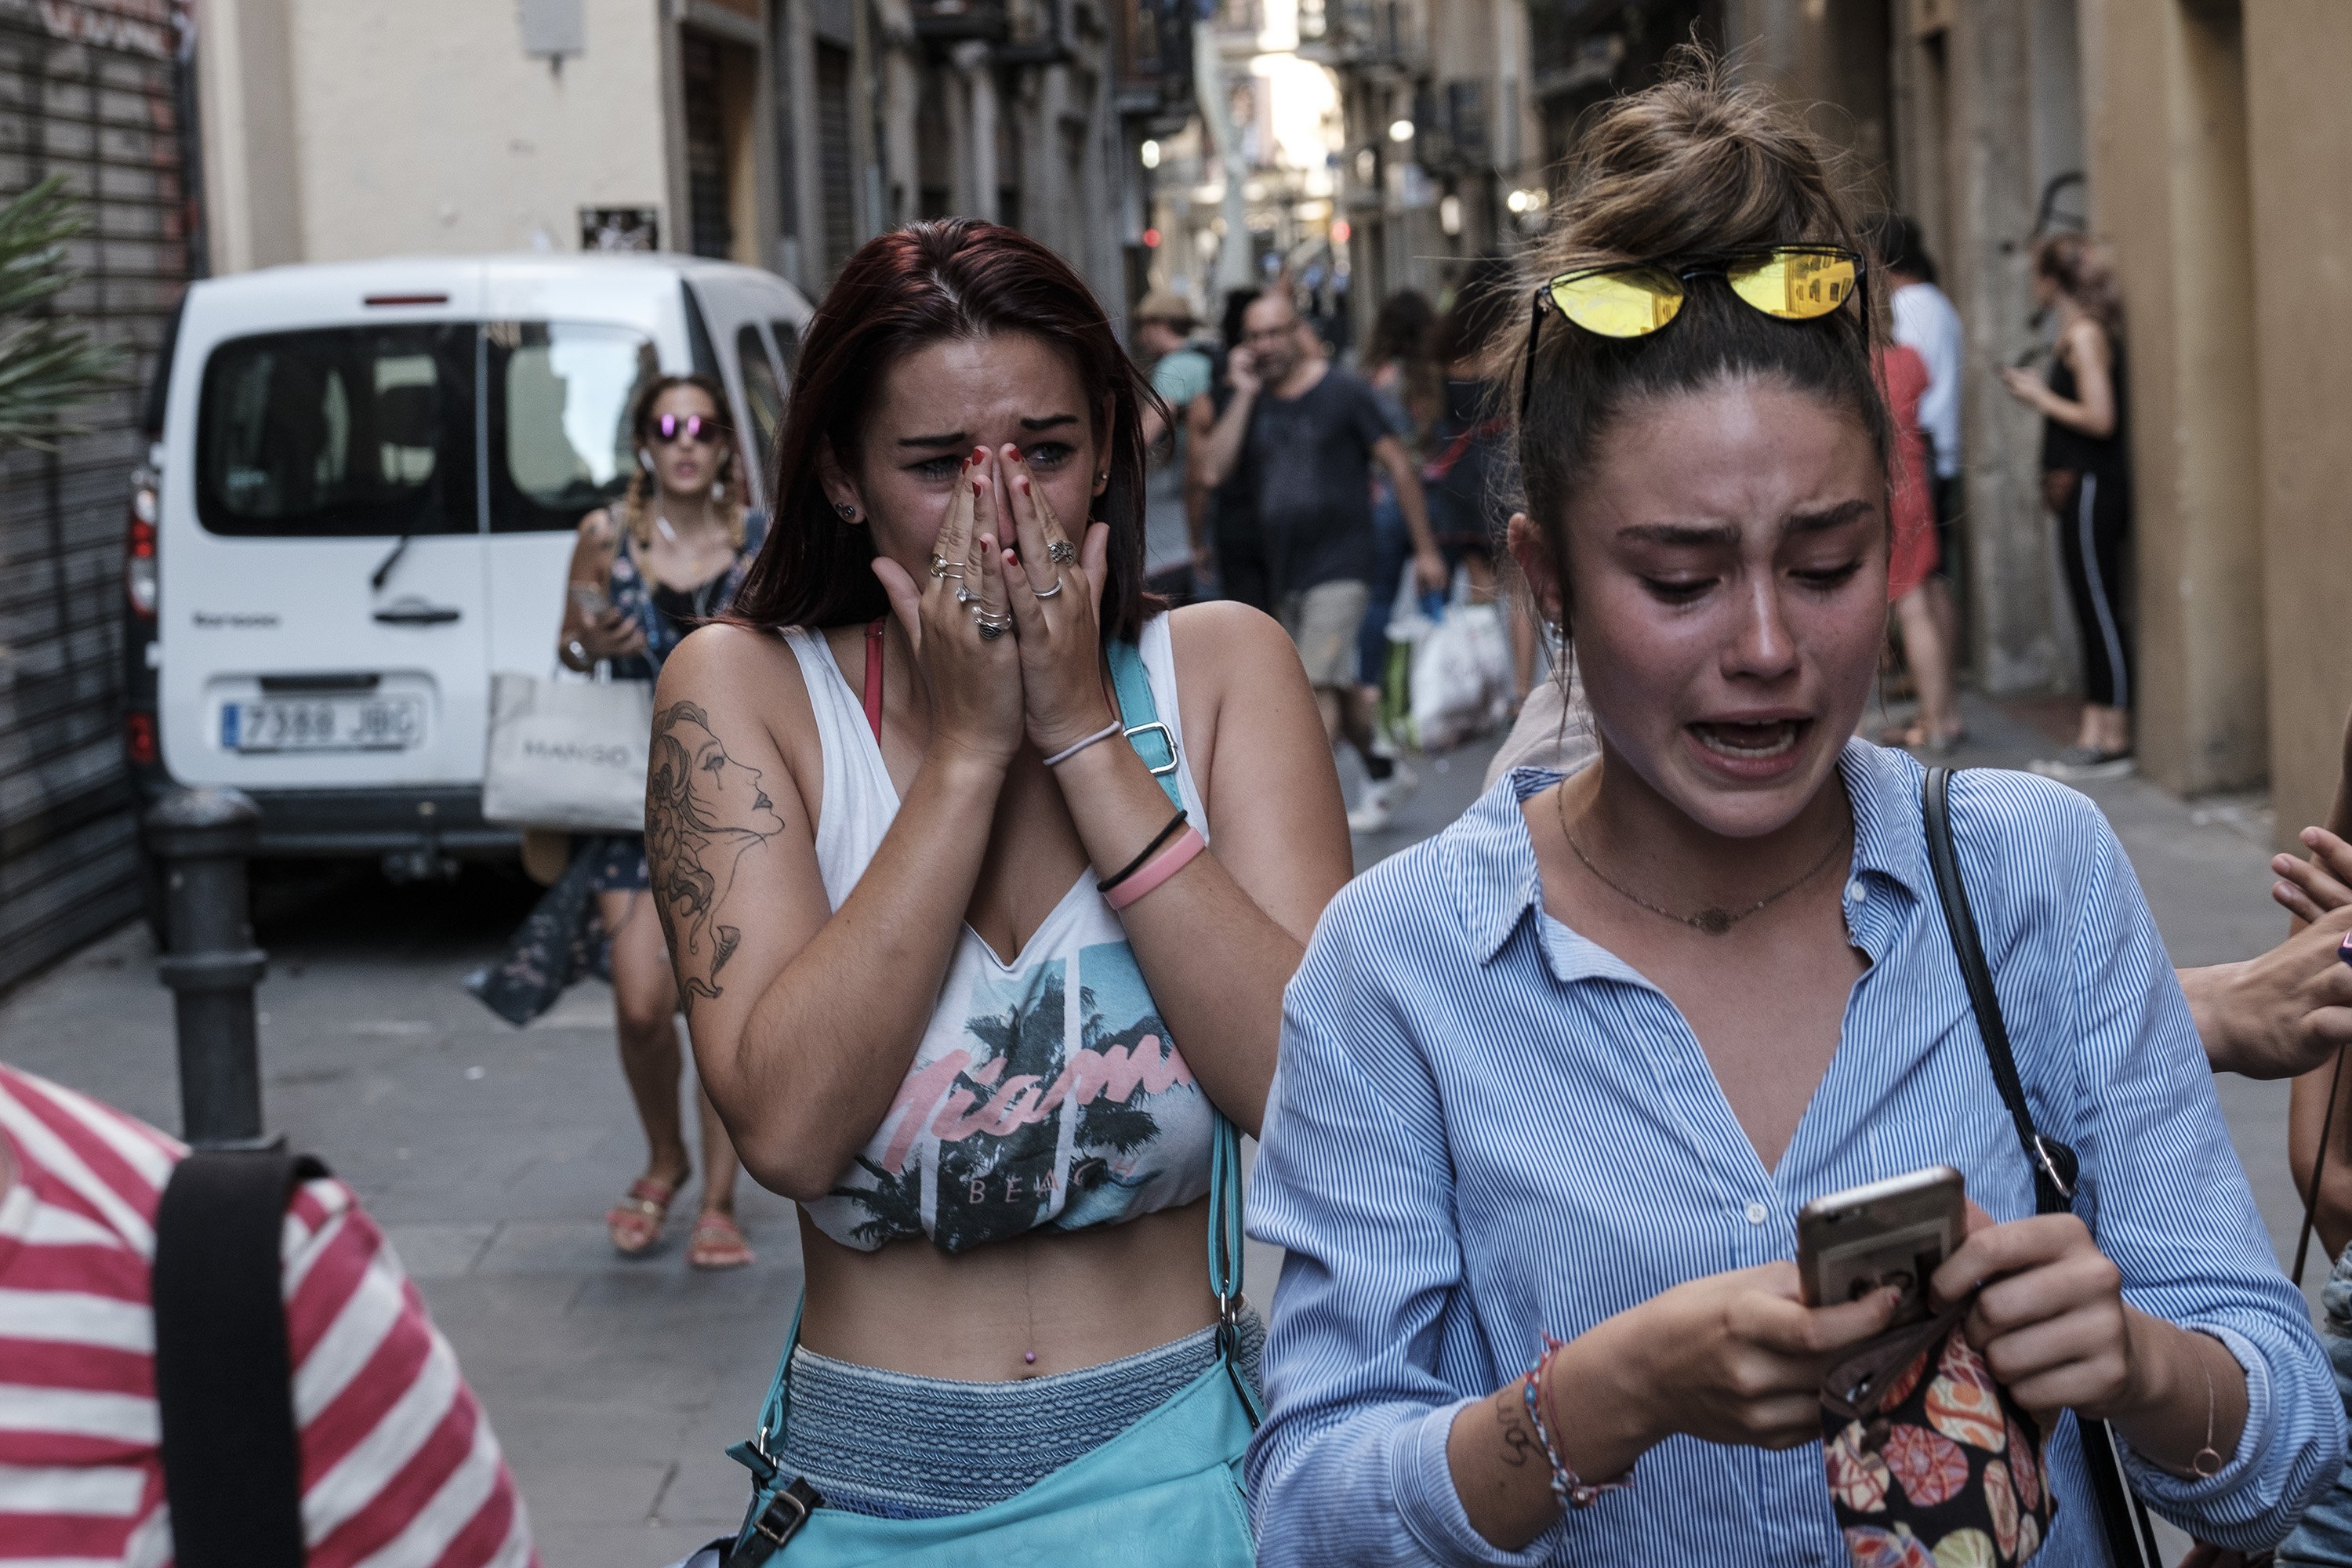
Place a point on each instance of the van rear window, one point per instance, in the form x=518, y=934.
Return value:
x=339, y=432
x=560, y=397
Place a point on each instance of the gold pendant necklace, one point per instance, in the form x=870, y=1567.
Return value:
x=1715, y=919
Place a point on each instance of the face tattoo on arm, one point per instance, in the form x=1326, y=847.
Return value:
x=703, y=811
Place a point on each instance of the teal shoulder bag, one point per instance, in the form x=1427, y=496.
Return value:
x=1165, y=1493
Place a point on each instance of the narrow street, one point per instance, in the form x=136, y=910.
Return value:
x=489, y=1154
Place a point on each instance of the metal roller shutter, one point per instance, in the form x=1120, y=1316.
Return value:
x=93, y=91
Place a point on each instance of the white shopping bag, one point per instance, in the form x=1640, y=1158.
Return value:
x=568, y=754
x=1461, y=673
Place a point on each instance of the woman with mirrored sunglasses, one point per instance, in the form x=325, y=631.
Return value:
x=1556, y=1084
x=666, y=557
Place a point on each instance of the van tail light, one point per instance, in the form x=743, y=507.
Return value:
x=140, y=579
x=139, y=739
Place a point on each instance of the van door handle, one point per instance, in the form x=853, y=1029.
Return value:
x=413, y=614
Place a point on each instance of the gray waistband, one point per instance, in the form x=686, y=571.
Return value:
x=913, y=1447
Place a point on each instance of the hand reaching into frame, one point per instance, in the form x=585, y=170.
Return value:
x=973, y=680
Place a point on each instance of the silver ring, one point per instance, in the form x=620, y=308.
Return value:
x=1049, y=592
x=1061, y=551
x=991, y=630
x=939, y=564
x=965, y=595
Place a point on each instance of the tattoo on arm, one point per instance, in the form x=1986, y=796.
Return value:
x=1511, y=1419
x=704, y=811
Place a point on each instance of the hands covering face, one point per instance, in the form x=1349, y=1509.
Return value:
x=1007, y=630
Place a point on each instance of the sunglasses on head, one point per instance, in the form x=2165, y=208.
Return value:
x=694, y=427
x=1634, y=298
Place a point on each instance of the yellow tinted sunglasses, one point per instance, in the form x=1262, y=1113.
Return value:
x=1634, y=298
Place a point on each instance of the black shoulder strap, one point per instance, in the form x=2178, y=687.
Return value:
x=224, y=1377
x=2053, y=1163
x=2131, y=1539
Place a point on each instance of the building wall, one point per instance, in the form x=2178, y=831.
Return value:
x=2173, y=203
x=2299, y=150
x=319, y=147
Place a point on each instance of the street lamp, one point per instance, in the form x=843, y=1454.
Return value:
x=1150, y=154
x=1401, y=130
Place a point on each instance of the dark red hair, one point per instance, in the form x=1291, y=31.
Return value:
x=931, y=282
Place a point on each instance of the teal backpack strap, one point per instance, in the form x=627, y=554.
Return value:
x=779, y=1504
x=1154, y=742
x=1225, y=1258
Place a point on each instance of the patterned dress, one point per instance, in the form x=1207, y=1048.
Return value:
x=562, y=939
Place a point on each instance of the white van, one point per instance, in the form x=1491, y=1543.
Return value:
x=362, y=500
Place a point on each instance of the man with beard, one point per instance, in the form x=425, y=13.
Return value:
x=1302, y=438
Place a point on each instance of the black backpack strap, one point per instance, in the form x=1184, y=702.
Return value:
x=223, y=1376
x=2055, y=1165
x=2131, y=1538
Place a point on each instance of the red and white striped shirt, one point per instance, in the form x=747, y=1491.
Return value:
x=399, y=1466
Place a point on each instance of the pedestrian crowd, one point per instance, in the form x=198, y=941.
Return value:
x=997, y=863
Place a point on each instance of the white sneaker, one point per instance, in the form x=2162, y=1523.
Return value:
x=1375, y=811
x=1377, y=808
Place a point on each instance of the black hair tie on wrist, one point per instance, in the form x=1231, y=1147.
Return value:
x=1132, y=867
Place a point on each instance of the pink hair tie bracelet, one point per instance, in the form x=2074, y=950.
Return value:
x=1162, y=866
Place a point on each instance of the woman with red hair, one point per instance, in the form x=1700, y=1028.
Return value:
x=983, y=874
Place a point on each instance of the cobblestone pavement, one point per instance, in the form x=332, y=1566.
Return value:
x=490, y=1153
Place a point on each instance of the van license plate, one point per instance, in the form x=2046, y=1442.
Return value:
x=323, y=724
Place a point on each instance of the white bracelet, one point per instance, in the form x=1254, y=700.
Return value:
x=1067, y=752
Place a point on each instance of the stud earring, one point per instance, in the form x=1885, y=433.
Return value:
x=844, y=511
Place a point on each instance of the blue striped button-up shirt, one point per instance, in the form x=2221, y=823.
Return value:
x=1485, y=1126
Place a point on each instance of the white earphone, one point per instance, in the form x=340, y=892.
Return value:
x=646, y=458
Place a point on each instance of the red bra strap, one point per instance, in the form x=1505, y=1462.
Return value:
x=874, y=678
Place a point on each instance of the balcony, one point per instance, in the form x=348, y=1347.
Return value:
x=952, y=21
x=1361, y=34
x=1153, y=54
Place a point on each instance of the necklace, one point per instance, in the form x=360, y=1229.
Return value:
x=1715, y=919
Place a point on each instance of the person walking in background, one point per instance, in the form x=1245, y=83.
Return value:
x=2086, y=481
x=1303, y=437
x=644, y=573
x=1227, y=502
x=1926, y=323
x=398, y=1464
x=1176, y=555
x=1912, y=558
x=1396, y=367
x=1466, y=462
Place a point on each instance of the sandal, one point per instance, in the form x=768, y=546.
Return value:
x=717, y=1243
x=636, y=1222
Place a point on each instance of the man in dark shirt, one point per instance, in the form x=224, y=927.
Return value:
x=1300, y=437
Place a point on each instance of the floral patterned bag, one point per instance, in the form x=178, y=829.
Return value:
x=1931, y=1463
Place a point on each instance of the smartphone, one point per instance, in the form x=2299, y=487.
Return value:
x=1895, y=1232
x=590, y=601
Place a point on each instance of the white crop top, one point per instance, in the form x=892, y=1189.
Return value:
x=1045, y=1093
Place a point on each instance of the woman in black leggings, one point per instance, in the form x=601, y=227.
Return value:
x=2086, y=481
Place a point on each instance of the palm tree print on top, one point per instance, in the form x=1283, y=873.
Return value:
x=1043, y=1110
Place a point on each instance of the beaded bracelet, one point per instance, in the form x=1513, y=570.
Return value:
x=1571, y=1489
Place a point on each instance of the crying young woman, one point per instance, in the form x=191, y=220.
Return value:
x=983, y=874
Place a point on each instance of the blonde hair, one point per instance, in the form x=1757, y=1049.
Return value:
x=635, y=506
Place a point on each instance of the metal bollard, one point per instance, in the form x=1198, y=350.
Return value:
x=203, y=837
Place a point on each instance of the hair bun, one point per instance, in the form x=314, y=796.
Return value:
x=1692, y=165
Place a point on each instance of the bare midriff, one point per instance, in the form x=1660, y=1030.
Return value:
x=1074, y=1298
